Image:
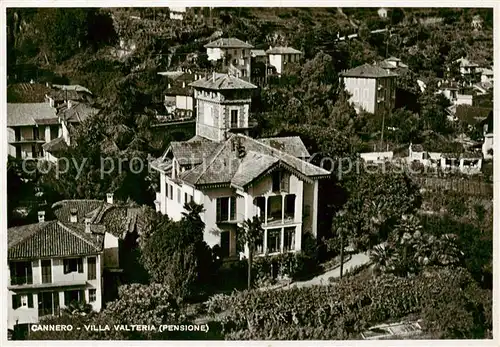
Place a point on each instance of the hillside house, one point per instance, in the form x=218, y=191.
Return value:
x=237, y=177
x=234, y=54
x=178, y=98
x=382, y=12
x=372, y=88
x=70, y=115
x=477, y=22
x=177, y=13
x=469, y=71
x=29, y=126
x=52, y=264
x=258, y=55
x=279, y=57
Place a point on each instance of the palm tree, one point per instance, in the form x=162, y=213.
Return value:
x=250, y=234
x=382, y=259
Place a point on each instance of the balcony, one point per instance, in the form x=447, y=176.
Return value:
x=70, y=280
x=21, y=280
x=21, y=140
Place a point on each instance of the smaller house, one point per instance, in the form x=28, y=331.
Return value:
x=179, y=95
x=51, y=265
x=469, y=71
x=477, y=22
x=486, y=74
x=467, y=163
x=416, y=153
x=234, y=53
x=70, y=115
x=259, y=55
x=382, y=12
x=61, y=94
x=377, y=157
x=372, y=88
x=278, y=57
x=177, y=13
x=29, y=127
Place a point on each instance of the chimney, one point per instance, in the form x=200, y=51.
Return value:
x=213, y=76
x=73, y=218
x=183, y=84
x=41, y=216
x=69, y=104
x=109, y=198
x=87, y=224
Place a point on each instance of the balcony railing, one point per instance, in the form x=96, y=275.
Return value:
x=21, y=280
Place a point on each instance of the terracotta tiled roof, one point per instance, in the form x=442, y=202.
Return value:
x=27, y=114
x=222, y=166
x=62, y=209
x=55, y=145
x=51, y=239
x=116, y=219
x=218, y=81
x=283, y=50
x=368, y=71
x=77, y=113
x=292, y=145
x=231, y=42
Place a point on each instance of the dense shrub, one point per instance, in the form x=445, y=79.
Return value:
x=343, y=309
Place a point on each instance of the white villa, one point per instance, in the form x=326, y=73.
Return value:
x=237, y=177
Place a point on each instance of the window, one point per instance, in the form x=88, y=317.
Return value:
x=92, y=295
x=21, y=272
x=290, y=206
x=171, y=192
x=92, y=269
x=25, y=301
x=243, y=72
x=73, y=265
x=73, y=296
x=260, y=203
x=226, y=209
x=234, y=118
x=280, y=181
x=179, y=196
x=46, y=271
x=289, y=243
x=273, y=240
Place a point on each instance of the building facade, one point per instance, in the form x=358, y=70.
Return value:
x=372, y=88
x=237, y=177
x=279, y=57
x=51, y=265
x=234, y=54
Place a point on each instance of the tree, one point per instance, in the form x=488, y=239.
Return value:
x=249, y=235
x=174, y=253
x=376, y=201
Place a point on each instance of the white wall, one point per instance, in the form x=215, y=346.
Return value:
x=363, y=91
x=184, y=102
x=276, y=61
x=61, y=282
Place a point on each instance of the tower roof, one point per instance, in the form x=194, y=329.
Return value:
x=218, y=81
